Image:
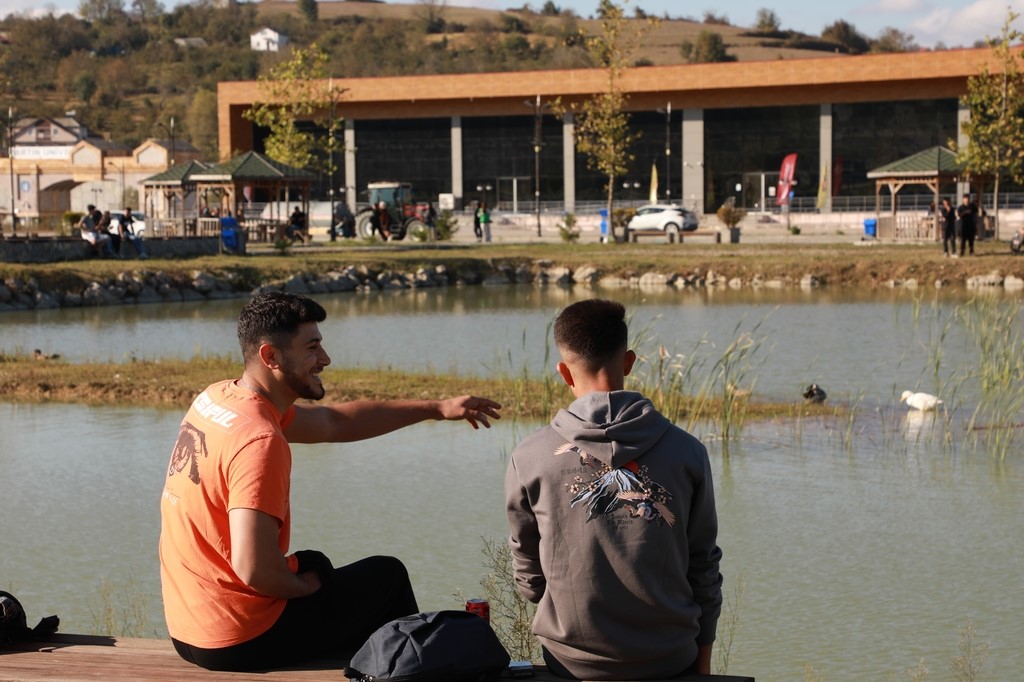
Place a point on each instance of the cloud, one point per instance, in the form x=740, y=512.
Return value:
x=891, y=7
x=962, y=27
x=27, y=8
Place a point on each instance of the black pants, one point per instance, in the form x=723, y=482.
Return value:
x=967, y=239
x=949, y=239
x=338, y=620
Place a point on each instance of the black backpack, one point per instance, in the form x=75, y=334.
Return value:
x=441, y=646
x=14, y=624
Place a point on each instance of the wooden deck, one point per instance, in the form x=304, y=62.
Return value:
x=75, y=658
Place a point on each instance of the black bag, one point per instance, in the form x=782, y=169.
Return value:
x=441, y=646
x=14, y=624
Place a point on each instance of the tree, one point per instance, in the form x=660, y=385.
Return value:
x=995, y=129
x=100, y=10
x=147, y=10
x=309, y=10
x=550, y=9
x=431, y=13
x=846, y=36
x=767, y=21
x=709, y=48
x=602, y=128
x=294, y=91
x=201, y=122
x=894, y=40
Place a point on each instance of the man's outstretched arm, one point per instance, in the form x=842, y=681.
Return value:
x=361, y=419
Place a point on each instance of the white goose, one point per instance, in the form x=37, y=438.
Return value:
x=920, y=401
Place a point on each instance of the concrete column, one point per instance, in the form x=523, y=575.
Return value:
x=569, y=161
x=825, y=154
x=457, y=189
x=693, y=161
x=963, y=115
x=350, y=164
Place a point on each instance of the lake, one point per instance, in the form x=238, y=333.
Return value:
x=865, y=543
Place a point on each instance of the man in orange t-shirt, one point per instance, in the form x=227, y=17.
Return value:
x=234, y=599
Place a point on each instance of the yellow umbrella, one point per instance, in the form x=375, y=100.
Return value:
x=654, y=184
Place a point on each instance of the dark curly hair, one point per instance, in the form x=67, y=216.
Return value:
x=274, y=317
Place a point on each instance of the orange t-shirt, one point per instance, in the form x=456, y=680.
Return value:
x=231, y=453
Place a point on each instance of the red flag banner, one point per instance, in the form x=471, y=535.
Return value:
x=786, y=173
x=837, y=175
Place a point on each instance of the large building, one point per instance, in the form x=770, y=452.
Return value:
x=712, y=130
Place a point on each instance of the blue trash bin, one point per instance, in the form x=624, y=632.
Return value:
x=870, y=227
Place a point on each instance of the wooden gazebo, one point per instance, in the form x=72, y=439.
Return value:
x=935, y=168
x=247, y=179
x=166, y=196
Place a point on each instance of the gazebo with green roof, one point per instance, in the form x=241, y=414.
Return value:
x=165, y=197
x=251, y=178
x=935, y=168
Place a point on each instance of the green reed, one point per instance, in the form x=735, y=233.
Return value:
x=511, y=614
x=729, y=626
x=122, y=611
x=994, y=329
x=701, y=384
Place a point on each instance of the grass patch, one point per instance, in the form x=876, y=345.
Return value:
x=174, y=383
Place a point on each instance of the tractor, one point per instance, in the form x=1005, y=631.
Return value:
x=406, y=215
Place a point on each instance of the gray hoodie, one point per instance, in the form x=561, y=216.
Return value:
x=613, y=535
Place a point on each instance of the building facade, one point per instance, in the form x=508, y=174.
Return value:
x=54, y=165
x=711, y=130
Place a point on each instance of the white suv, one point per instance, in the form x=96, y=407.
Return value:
x=669, y=219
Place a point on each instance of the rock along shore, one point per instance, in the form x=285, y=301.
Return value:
x=142, y=286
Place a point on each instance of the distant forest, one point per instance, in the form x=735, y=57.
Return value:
x=126, y=71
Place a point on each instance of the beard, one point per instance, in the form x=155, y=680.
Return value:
x=303, y=384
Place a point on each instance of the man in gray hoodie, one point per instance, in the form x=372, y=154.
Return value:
x=613, y=525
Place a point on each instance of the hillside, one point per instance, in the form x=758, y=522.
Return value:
x=125, y=74
x=661, y=46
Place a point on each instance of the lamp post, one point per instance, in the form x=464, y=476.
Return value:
x=10, y=158
x=538, y=143
x=331, y=228
x=668, y=151
x=170, y=133
x=110, y=164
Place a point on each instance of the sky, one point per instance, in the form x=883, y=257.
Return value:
x=953, y=23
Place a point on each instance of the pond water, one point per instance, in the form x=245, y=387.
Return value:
x=861, y=345
x=864, y=544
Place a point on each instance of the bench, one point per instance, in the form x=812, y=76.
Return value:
x=634, y=235
x=76, y=658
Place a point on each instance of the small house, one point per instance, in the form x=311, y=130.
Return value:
x=267, y=40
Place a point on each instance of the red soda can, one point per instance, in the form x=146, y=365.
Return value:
x=480, y=607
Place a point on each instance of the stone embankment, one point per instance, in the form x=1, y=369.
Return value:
x=140, y=286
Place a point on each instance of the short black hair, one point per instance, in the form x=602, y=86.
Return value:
x=592, y=331
x=274, y=317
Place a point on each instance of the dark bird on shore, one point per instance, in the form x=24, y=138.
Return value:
x=40, y=355
x=815, y=394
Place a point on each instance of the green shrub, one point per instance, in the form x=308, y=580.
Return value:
x=446, y=226
x=567, y=229
x=729, y=214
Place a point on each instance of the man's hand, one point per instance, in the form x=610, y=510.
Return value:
x=317, y=563
x=474, y=410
